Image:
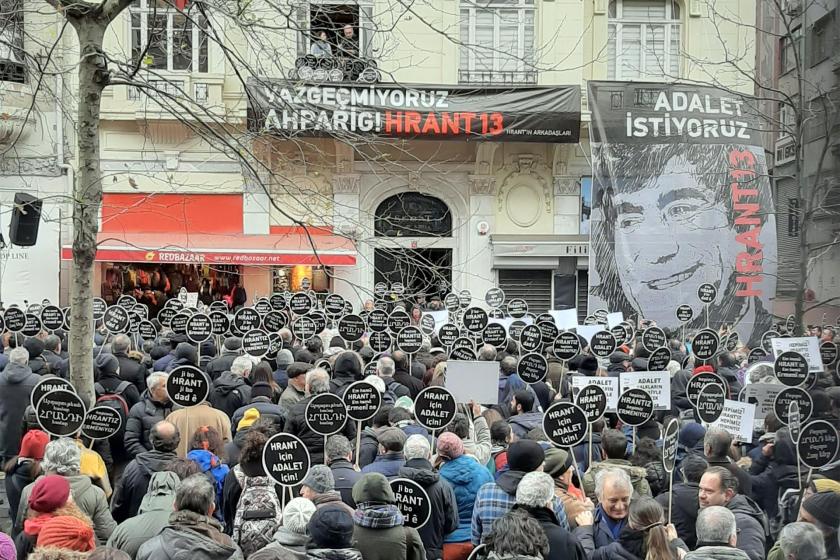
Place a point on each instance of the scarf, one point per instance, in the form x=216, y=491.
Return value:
x=378, y=516
x=32, y=527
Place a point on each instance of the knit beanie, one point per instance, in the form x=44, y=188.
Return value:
x=33, y=444
x=557, y=461
x=331, y=527
x=296, y=515
x=320, y=479
x=107, y=364
x=233, y=344
x=827, y=485
x=248, y=419
x=49, y=493
x=284, y=358
x=70, y=533
x=373, y=488
x=691, y=434
x=825, y=507
x=449, y=446
x=525, y=455
x=7, y=548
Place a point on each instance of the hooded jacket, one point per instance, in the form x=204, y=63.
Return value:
x=296, y=425
x=523, y=423
x=752, y=526
x=190, y=535
x=218, y=366
x=90, y=499
x=684, y=509
x=345, y=371
x=230, y=391
x=267, y=410
x=716, y=552
x=141, y=418
x=638, y=476
x=153, y=516
x=444, y=517
x=769, y=476
x=287, y=545
x=466, y=477
x=386, y=538
x=16, y=383
x=333, y=554
x=185, y=355
x=134, y=482
x=132, y=370
x=212, y=465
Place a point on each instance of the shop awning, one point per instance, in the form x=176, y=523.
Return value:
x=238, y=249
x=536, y=251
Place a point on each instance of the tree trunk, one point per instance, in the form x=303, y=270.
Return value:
x=87, y=198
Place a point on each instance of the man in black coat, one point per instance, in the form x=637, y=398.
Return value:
x=403, y=376
x=230, y=350
x=16, y=383
x=153, y=407
x=535, y=497
x=444, y=519
x=52, y=353
x=317, y=382
x=134, y=483
x=684, y=502
x=339, y=455
x=130, y=370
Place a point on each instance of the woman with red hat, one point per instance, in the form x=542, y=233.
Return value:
x=24, y=468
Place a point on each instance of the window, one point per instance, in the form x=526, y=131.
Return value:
x=787, y=48
x=787, y=119
x=644, y=39
x=413, y=215
x=822, y=38
x=12, y=68
x=313, y=19
x=793, y=217
x=166, y=38
x=497, y=42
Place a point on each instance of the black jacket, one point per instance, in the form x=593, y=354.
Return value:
x=752, y=526
x=296, y=425
x=218, y=366
x=744, y=480
x=369, y=447
x=345, y=476
x=141, y=418
x=53, y=360
x=134, y=482
x=685, y=507
x=132, y=370
x=413, y=384
x=16, y=383
x=229, y=392
x=267, y=410
x=110, y=382
x=444, y=517
x=345, y=371
x=562, y=545
x=15, y=483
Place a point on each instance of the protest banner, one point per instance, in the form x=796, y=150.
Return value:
x=471, y=381
x=737, y=419
x=187, y=386
x=808, y=346
x=60, y=413
x=670, y=445
x=286, y=459
x=413, y=502
x=610, y=385
x=564, y=424
x=655, y=383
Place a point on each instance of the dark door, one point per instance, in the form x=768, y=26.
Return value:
x=425, y=273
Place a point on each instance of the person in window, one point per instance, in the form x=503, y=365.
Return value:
x=320, y=47
x=348, y=44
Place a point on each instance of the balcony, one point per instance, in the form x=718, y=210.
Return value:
x=497, y=78
x=321, y=69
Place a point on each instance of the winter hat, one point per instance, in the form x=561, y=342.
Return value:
x=691, y=434
x=376, y=381
x=588, y=366
x=108, y=364
x=7, y=547
x=391, y=438
x=525, y=455
x=639, y=364
x=248, y=419
x=284, y=358
x=337, y=342
x=450, y=446
x=320, y=479
x=69, y=533
x=34, y=346
x=825, y=507
x=233, y=344
x=186, y=351
x=703, y=369
x=557, y=461
x=331, y=526
x=49, y=493
x=405, y=402
x=373, y=488
x=33, y=444
x=298, y=368
x=296, y=515
x=261, y=389
x=348, y=365
x=618, y=357
x=827, y=485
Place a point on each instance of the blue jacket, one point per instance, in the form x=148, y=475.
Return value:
x=212, y=465
x=162, y=363
x=388, y=465
x=466, y=477
x=281, y=377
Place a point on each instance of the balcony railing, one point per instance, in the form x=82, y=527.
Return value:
x=491, y=77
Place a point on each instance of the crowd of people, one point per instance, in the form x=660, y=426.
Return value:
x=179, y=482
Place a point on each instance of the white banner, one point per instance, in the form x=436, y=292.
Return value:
x=608, y=384
x=808, y=346
x=737, y=418
x=473, y=381
x=31, y=273
x=762, y=395
x=656, y=383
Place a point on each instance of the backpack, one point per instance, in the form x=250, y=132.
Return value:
x=389, y=396
x=258, y=513
x=113, y=399
x=227, y=401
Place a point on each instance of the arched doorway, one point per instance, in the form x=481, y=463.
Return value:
x=408, y=224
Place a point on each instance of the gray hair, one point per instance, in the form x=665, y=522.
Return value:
x=318, y=381
x=337, y=447
x=802, y=541
x=157, y=378
x=487, y=353
x=616, y=476
x=535, y=490
x=120, y=343
x=19, y=355
x=417, y=447
x=716, y=524
x=385, y=367
x=285, y=335
x=241, y=365
x=62, y=456
x=195, y=494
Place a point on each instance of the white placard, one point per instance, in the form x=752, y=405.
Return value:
x=588, y=331
x=440, y=317
x=504, y=322
x=808, y=346
x=192, y=299
x=762, y=395
x=656, y=383
x=565, y=318
x=608, y=384
x=473, y=381
x=737, y=419
x=614, y=319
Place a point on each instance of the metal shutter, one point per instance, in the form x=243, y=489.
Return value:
x=787, y=224
x=582, y=295
x=534, y=286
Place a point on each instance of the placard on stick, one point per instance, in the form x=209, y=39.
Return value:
x=653, y=338
x=199, y=328
x=46, y=385
x=791, y=369
x=818, y=444
x=655, y=383
x=705, y=344
x=410, y=339
x=565, y=424
x=670, y=444
x=635, y=407
x=781, y=405
x=362, y=400
x=115, y=320
x=256, y=343
x=435, y=408
x=697, y=382
x=608, y=384
x=351, y=328
x=187, y=386
x=102, y=422
x=659, y=359
x=326, y=414
x=737, y=419
x=566, y=346
x=286, y=459
x=532, y=368
x=592, y=399
x=530, y=339
x=413, y=502
x=710, y=402
x=60, y=413
x=603, y=344
x=473, y=381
